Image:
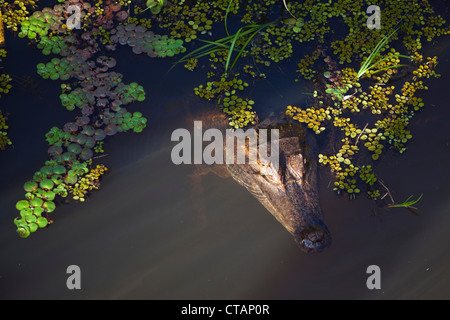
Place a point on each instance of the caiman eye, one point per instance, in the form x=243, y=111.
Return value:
x=295, y=166
x=270, y=173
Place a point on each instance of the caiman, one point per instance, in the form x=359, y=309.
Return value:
x=290, y=193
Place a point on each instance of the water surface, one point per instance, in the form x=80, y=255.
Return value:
x=141, y=236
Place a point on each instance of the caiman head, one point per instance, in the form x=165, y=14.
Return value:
x=289, y=190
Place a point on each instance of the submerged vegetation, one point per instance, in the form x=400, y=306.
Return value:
x=357, y=74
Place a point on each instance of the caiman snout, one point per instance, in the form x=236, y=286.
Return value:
x=289, y=190
x=314, y=237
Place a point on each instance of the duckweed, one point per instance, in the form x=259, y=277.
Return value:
x=225, y=91
x=392, y=106
x=5, y=87
x=88, y=183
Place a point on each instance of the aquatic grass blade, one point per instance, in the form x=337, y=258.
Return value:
x=391, y=67
x=247, y=42
x=230, y=52
x=368, y=61
x=219, y=42
x=391, y=56
x=285, y=5
x=226, y=17
x=407, y=203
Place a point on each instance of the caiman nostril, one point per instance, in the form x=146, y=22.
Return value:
x=316, y=236
x=314, y=239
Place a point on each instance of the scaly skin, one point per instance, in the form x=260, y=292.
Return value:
x=289, y=194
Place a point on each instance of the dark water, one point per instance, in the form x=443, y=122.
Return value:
x=141, y=236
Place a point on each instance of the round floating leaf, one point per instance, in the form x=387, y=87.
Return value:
x=20, y=222
x=38, y=211
x=30, y=186
x=22, y=204
x=58, y=169
x=36, y=202
x=81, y=139
x=39, y=193
x=155, y=10
x=33, y=226
x=49, y=195
x=110, y=130
x=49, y=206
x=74, y=148
x=68, y=156
x=38, y=176
x=54, y=76
x=90, y=142
x=55, y=150
x=86, y=154
x=70, y=179
x=46, y=184
x=88, y=130
x=41, y=222
x=23, y=231
x=31, y=218
x=57, y=179
x=46, y=171
x=29, y=196
x=65, y=76
x=26, y=212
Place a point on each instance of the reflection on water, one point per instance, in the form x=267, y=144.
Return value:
x=139, y=236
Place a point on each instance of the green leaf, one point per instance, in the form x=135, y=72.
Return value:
x=19, y=222
x=33, y=227
x=42, y=222
x=49, y=206
x=46, y=184
x=23, y=231
x=30, y=186
x=36, y=202
x=155, y=10
x=49, y=195
x=407, y=203
x=22, y=204
x=38, y=211
x=31, y=218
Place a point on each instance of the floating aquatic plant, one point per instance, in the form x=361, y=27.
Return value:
x=370, y=65
x=155, y=6
x=238, y=109
x=227, y=44
x=4, y=140
x=5, y=86
x=89, y=182
x=143, y=41
x=97, y=92
x=394, y=111
x=408, y=203
x=100, y=97
x=13, y=13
